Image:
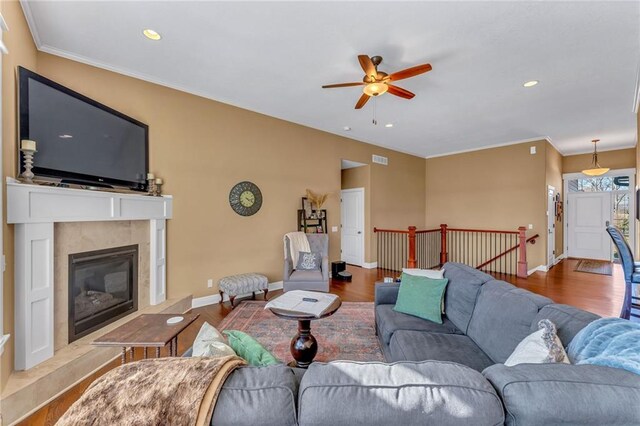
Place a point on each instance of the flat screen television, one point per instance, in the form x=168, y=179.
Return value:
x=78, y=139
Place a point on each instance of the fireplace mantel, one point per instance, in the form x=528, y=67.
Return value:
x=34, y=209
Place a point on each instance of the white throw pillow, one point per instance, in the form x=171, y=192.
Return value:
x=210, y=343
x=429, y=273
x=541, y=347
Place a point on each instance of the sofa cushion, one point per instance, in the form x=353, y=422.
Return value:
x=503, y=316
x=303, y=275
x=462, y=292
x=389, y=321
x=420, y=346
x=568, y=320
x=258, y=396
x=403, y=393
x=554, y=394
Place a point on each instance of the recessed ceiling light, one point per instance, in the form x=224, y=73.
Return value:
x=346, y=128
x=530, y=83
x=151, y=34
x=388, y=125
x=65, y=136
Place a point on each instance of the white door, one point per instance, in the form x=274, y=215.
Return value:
x=551, y=226
x=352, y=229
x=589, y=215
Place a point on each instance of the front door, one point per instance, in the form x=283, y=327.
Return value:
x=589, y=215
x=352, y=221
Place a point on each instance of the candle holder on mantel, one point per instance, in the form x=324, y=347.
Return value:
x=27, y=158
x=158, y=187
x=151, y=190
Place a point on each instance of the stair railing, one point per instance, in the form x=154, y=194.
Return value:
x=498, y=252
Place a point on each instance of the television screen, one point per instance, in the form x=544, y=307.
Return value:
x=78, y=139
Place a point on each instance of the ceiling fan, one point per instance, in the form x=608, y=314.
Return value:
x=378, y=82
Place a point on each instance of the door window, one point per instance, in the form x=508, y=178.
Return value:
x=599, y=184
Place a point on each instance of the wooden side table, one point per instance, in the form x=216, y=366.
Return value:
x=304, y=345
x=147, y=331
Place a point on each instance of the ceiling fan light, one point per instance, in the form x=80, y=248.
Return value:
x=375, y=89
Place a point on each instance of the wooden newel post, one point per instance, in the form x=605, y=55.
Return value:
x=522, y=248
x=411, y=261
x=443, y=244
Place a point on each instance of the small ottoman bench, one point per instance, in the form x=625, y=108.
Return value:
x=235, y=285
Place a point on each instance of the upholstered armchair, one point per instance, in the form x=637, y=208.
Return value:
x=308, y=280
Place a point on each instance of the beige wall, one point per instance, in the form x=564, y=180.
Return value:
x=616, y=159
x=360, y=177
x=21, y=52
x=499, y=188
x=553, y=177
x=202, y=148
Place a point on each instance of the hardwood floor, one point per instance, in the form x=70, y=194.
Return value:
x=600, y=294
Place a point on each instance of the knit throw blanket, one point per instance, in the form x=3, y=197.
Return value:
x=164, y=391
x=610, y=342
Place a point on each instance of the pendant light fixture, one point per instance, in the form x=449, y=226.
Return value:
x=596, y=169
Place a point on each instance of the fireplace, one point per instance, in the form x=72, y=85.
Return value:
x=103, y=287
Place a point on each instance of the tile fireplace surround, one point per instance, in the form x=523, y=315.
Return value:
x=77, y=220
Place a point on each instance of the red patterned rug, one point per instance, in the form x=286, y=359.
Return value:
x=348, y=334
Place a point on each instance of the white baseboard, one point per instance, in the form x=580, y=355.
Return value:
x=541, y=268
x=370, y=265
x=559, y=258
x=213, y=299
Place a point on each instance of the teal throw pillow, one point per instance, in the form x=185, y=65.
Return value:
x=421, y=297
x=249, y=349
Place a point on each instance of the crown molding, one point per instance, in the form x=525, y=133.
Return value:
x=499, y=145
x=31, y=23
x=590, y=151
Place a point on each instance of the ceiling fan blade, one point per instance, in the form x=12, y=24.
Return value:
x=367, y=66
x=410, y=72
x=363, y=100
x=331, y=86
x=399, y=91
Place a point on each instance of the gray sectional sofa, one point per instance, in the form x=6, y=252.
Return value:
x=443, y=374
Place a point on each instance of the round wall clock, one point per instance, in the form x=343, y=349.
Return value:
x=245, y=198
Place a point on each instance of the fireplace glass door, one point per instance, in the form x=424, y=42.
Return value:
x=103, y=287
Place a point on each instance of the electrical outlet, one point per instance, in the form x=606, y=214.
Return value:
x=210, y=283
x=530, y=226
x=334, y=229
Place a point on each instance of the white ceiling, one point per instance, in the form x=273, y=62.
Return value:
x=272, y=57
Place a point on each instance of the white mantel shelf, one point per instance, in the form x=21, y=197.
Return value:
x=38, y=203
x=34, y=209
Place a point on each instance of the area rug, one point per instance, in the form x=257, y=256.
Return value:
x=601, y=267
x=348, y=334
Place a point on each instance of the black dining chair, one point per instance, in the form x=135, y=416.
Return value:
x=631, y=273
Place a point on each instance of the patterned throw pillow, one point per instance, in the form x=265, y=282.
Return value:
x=210, y=343
x=541, y=347
x=309, y=261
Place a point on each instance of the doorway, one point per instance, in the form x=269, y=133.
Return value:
x=352, y=224
x=551, y=226
x=355, y=185
x=593, y=203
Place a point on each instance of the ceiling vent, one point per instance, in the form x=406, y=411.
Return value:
x=379, y=159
